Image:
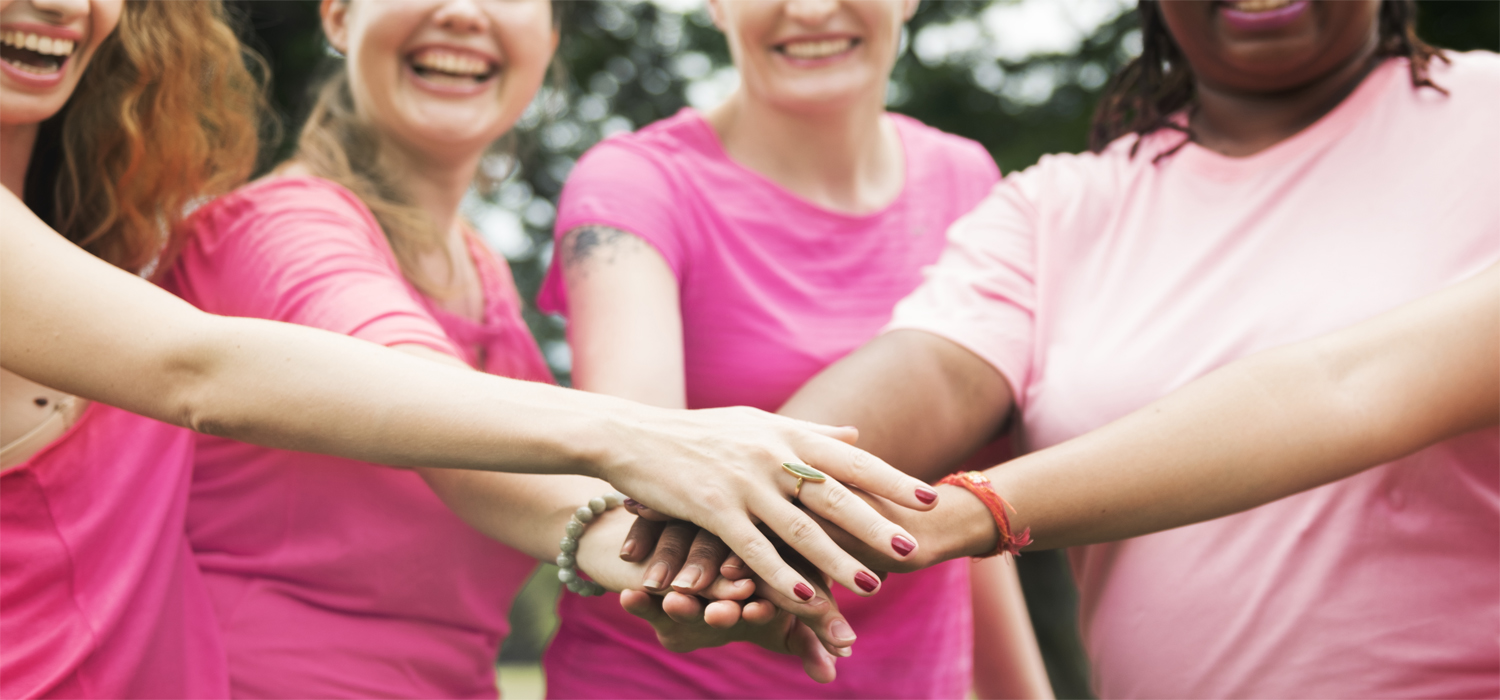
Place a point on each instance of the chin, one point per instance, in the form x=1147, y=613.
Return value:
x=17, y=108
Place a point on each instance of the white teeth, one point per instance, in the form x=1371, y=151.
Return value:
x=36, y=42
x=816, y=49
x=450, y=62
x=27, y=67
x=1260, y=5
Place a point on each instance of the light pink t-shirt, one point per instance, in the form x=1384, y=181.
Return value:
x=99, y=593
x=773, y=290
x=331, y=577
x=1098, y=283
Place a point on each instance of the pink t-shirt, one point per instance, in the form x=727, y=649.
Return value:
x=99, y=592
x=1098, y=283
x=331, y=577
x=773, y=290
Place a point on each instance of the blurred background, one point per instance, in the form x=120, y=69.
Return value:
x=1019, y=76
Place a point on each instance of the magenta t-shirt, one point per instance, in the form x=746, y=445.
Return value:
x=331, y=577
x=773, y=289
x=1099, y=283
x=99, y=593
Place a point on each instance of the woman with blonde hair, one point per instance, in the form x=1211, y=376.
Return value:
x=100, y=593
x=360, y=233
x=727, y=256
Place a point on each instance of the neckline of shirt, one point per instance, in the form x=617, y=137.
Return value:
x=716, y=150
x=1327, y=129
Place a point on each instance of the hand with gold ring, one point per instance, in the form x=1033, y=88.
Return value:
x=735, y=485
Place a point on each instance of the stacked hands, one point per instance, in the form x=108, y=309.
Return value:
x=765, y=577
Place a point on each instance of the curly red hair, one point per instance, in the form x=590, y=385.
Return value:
x=168, y=113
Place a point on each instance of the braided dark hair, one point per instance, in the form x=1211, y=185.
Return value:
x=1143, y=97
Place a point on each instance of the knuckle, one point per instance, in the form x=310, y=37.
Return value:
x=758, y=549
x=707, y=549
x=802, y=529
x=836, y=498
x=860, y=464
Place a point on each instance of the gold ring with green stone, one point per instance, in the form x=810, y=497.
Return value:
x=803, y=473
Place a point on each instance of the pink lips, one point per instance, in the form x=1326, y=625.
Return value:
x=1263, y=21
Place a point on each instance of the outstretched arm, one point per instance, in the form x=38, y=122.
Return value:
x=77, y=324
x=1272, y=424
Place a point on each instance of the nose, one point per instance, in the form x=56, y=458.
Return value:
x=462, y=17
x=62, y=11
x=811, y=12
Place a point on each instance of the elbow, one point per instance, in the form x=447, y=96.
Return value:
x=188, y=382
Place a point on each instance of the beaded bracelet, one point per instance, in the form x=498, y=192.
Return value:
x=979, y=485
x=567, y=562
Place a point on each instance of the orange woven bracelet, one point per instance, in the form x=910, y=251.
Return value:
x=979, y=485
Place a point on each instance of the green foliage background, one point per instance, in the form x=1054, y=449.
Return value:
x=622, y=65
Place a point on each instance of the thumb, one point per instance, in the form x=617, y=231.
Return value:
x=816, y=661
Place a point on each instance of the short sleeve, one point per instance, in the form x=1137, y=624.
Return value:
x=619, y=184
x=981, y=293
x=303, y=251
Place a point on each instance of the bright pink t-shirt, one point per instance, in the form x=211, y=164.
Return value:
x=331, y=577
x=99, y=593
x=1098, y=283
x=773, y=290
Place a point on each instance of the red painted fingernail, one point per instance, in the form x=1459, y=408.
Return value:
x=926, y=495
x=634, y=503
x=866, y=582
x=902, y=545
x=803, y=591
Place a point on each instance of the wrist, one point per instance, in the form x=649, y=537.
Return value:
x=971, y=530
x=594, y=446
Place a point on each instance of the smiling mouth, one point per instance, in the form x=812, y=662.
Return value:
x=1257, y=5
x=449, y=67
x=820, y=48
x=34, y=53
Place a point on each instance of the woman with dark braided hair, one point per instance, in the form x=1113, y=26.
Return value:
x=1266, y=174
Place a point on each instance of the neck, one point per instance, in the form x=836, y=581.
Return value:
x=1240, y=124
x=16, y=144
x=435, y=185
x=846, y=160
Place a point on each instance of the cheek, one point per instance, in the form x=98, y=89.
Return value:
x=106, y=14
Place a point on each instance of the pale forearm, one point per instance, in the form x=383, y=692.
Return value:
x=365, y=402
x=1272, y=425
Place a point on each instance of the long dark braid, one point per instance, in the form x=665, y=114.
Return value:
x=1145, y=95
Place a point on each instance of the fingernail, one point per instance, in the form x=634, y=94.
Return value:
x=926, y=495
x=866, y=582
x=803, y=591
x=733, y=565
x=840, y=630
x=654, y=575
x=634, y=503
x=843, y=652
x=902, y=545
x=626, y=548
x=688, y=578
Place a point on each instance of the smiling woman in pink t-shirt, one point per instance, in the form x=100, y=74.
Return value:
x=725, y=257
